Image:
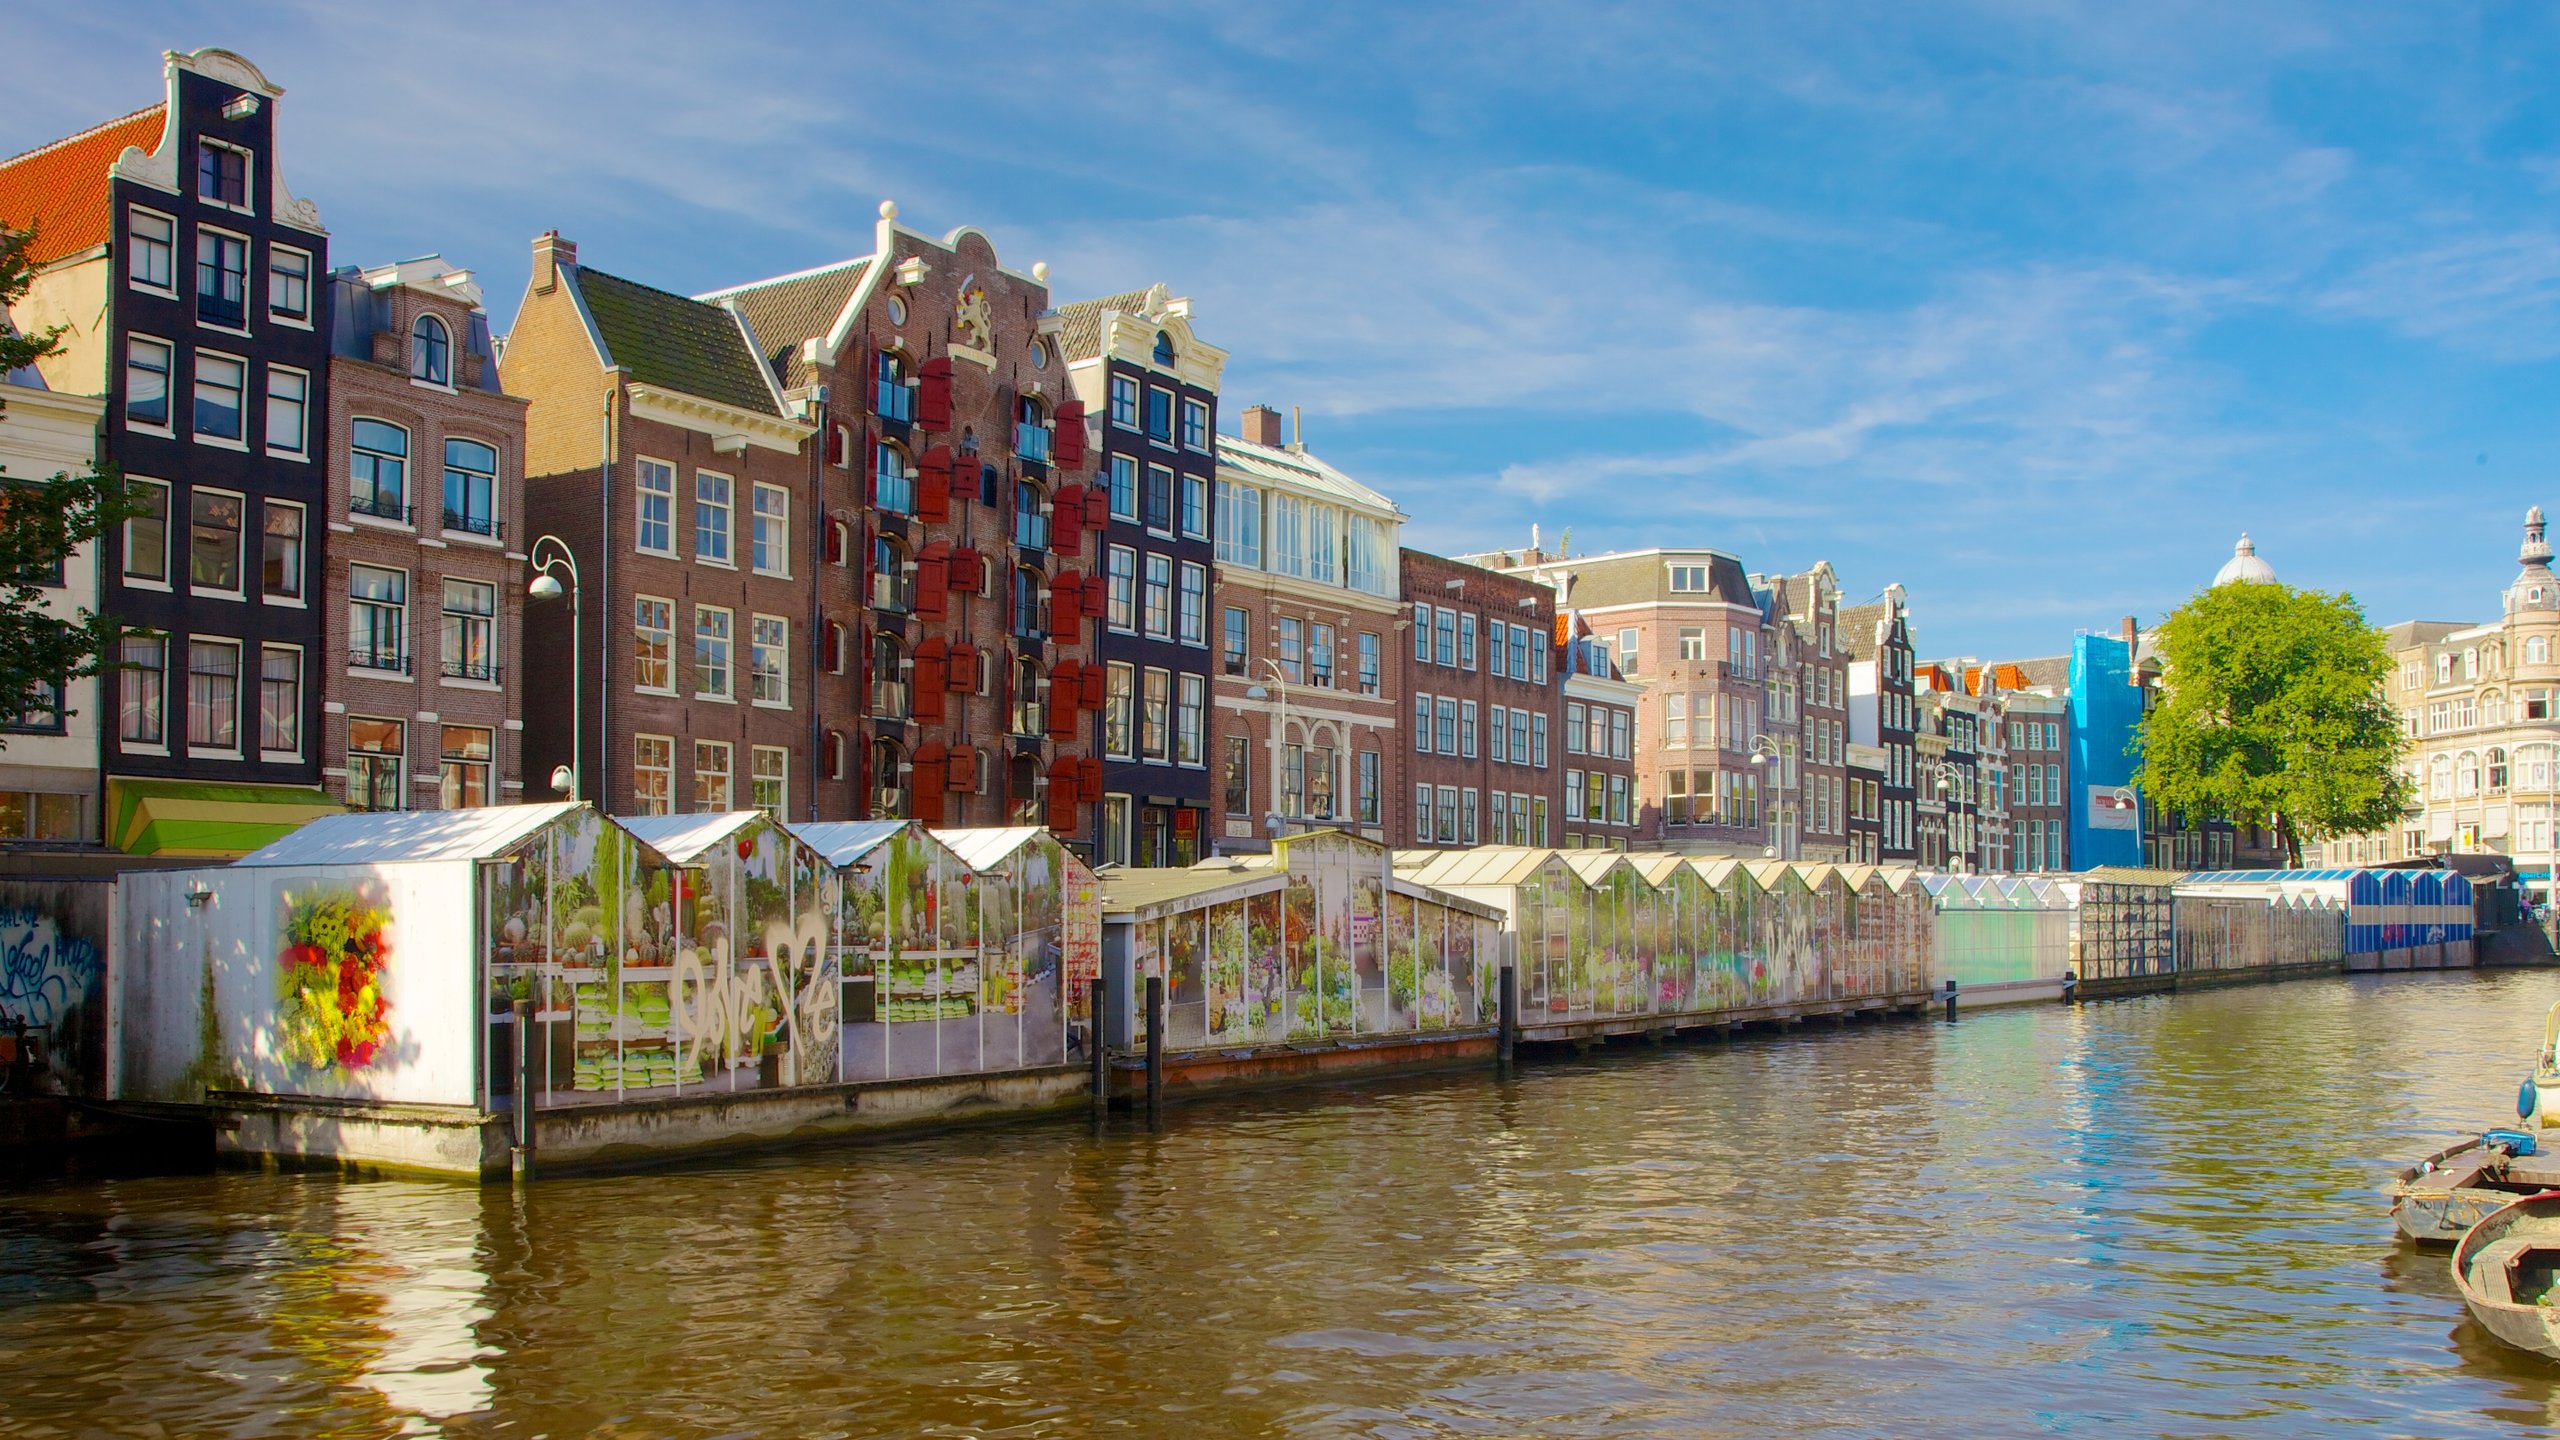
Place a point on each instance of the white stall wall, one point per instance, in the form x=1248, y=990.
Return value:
x=412, y=926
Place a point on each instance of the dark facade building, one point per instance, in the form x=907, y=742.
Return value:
x=1149, y=387
x=1883, y=713
x=1487, y=760
x=192, y=285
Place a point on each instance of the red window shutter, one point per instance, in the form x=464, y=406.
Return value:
x=933, y=485
x=924, y=796
x=1091, y=683
x=833, y=759
x=1062, y=713
x=1065, y=783
x=964, y=768
x=1064, y=681
x=964, y=669
x=1089, y=775
x=1066, y=521
x=969, y=571
x=933, y=579
x=1097, y=507
x=1066, y=598
x=1067, y=446
x=835, y=446
x=1097, y=598
x=933, y=394
x=933, y=663
x=834, y=543
x=834, y=648
x=871, y=475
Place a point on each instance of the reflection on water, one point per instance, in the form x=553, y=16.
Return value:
x=2142, y=1216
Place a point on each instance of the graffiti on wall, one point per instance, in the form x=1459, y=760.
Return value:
x=55, y=981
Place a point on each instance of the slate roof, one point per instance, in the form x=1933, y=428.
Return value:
x=793, y=308
x=675, y=343
x=1081, y=337
x=2046, y=670
x=1640, y=578
x=1856, y=626
x=61, y=188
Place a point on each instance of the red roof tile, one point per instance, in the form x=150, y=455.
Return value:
x=61, y=188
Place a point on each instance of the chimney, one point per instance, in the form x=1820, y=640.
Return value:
x=2132, y=638
x=1262, y=425
x=550, y=252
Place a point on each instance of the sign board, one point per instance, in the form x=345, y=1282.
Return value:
x=2112, y=807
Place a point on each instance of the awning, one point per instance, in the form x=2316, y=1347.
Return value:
x=194, y=817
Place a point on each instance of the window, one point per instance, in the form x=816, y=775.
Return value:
x=1575, y=718
x=1448, y=827
x=1235, y=653
x=377, y=763
x=1160, y=499
x=1121, y=611
x=142, y=689
x=893, y=485
x=711, y=766
x=653, y=774
x=1119, y=707
x=1159, y=413
x=1190, y=722
x=1320, y=655
x=1421, y=723
x=1319, y=775
x=1621, y=734
x=470, y=630
x=1538, y=747
x=893, y=398
x=1467, y=729
x=1237, y=779
x=1155, y=716
x=288, y=409
x=711, y=518
x=146, y=382
x=1688, y=579
x=431, y=351
x=1031, y=435
x=654, y=514
x=377, y=611
x=1370, y=796
x=2537, y=650
x=1444, y=736
x=1124, y=488
x=1520, y=640
x=1675, y=720
x=213, y=541
x=222, y=279
x=771, y=784
x=772, y=539
x=288, y=285
x=146, y=533
x=470, y=487
x=1159, y=595
x=1422, y=814
x=1288, y=535
x=769, y=657
x=1239, y=524
x=888, y=678
x=378, y=470
x=1195, y=425
x=1368, y=662
x=1693, y=643
x=463, y=783
x=151, y=255
x=713, y=632
x=1286, y=632
x=1444, y=637
x=1193, y=617
x=653, y=626
x=222, y=384
x=222, y=174
x=1124, y=402
x=280, y=554
x=213, y=695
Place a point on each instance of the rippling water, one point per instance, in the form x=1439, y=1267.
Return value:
x=2147, y=1216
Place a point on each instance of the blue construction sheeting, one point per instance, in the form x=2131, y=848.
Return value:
x=2386, y=909
x=2106, y=709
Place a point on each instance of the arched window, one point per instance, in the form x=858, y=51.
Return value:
x=888, y=678
x=378, y=469
x=1164, y=348
x=2440, y=778
x=1030, y=603
x=2497, y=771
x=2537, y=650
x=839, y=541
x=1030, y=527
x=2466, y=774
x=892, y=399
x=2533, y=767
x=431, y=351
x=840, y=447
x=968, y=439
x=1030, y=717
x=893, y=485
x=892, y=588
x=2493, y=709
x=888, y=784
x=2471, y=664
x=1031, y=437
x=1022, y=787
x=2444, y=668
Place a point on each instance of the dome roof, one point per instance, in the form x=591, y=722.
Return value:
x=2534, y=587
x=2245, y=565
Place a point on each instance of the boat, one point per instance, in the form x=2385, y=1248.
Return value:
x=2508, y=1269
x=2438, y=1199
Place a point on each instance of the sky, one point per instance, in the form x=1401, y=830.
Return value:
x=2031, y=306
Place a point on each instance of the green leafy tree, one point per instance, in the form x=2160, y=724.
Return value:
x=41, y=522
x=2273, y=713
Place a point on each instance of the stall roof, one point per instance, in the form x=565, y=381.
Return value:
x=1594, y=866
x=391, y=837
x=208, y=819
x=844, y=841
x=983, y=848
x=2262, y=877
x=1484, y=865
x=683, y=838
x=2131, y=875
x=1130, y=892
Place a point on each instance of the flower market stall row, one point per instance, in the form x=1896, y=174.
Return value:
x=2394, y=919
x=2001, y=939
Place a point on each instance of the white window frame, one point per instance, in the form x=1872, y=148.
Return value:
x=248, y=176
x=756, y=755
x=727, y=694
x=727, y=770
x=728, y=508
x=168, y=386
x=168, y=524
x=756, y=516
x=240, y=545
x=302, y=683
x=300, y=451
x=643, y=470
x=134, y=245
x=248, y=268
x=195, y=383
x=310, y=287
x=756, y=674
x=301, y=598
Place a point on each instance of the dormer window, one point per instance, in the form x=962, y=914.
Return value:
x=1164, y=348
x=431, y=351
x=222, y=174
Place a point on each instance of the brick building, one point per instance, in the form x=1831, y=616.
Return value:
x=958, y=597
x=1150, y=385
x=2034, y=716
x=423, y=595
x=1807, y=711
x=1306, y=701
x=661, y=451
x=1604, y=806
x=1485, y=761
x=188, y=278
x=1882, y=712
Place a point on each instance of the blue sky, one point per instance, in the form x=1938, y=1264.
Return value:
x=2031, y=306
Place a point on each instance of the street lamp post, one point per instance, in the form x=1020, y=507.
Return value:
x=1765, y=751
x=1947, y=776
x=550, y=556
x=1274, y=822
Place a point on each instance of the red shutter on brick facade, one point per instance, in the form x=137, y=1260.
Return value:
x=1062, y=712
x=933, y=394
x=1092, y=781
x=1097, y=597
x=835, y=445
x=964, y=768
x=933, y=579
x=1064, y=681
x=1065, y=783
x=964, y=669
x=968, y=571
x=933, y=484
x=834, y=543
x=1090, y=683
x=1066, y=521
x=931, y=777
x=932, y=680
x=871, y=475
x=1067, y=446
x=832, y=758
x=834, y=656
x=1097, y=507
x=1066, y=599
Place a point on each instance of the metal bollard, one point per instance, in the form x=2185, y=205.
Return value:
x=1951, y=998
x=1096, y=1058
x=527, y=1076
x=2070, y=987
x=1510, y=1012
x=1155, y=1051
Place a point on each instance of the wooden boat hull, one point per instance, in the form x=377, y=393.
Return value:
x=2436, y=1200
x=2508, y=1267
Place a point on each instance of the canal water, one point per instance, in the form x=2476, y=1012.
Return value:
x=2134, y=1217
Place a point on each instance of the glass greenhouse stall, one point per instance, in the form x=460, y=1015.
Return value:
x=2001, y=934
x=2127, y=923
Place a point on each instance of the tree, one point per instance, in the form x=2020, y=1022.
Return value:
x=2273, y=714
x=41, y=522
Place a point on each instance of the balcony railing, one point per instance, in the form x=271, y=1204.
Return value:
x=385, y=658
x=893, y=401
x=379, y=506
x=470, y=524
x=896, y=493
x=1032, y=442
x=892, y=592
x=470, y=668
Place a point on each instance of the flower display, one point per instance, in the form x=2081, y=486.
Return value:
x=331, y=1012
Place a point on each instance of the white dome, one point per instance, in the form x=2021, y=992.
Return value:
x=2245, y=565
